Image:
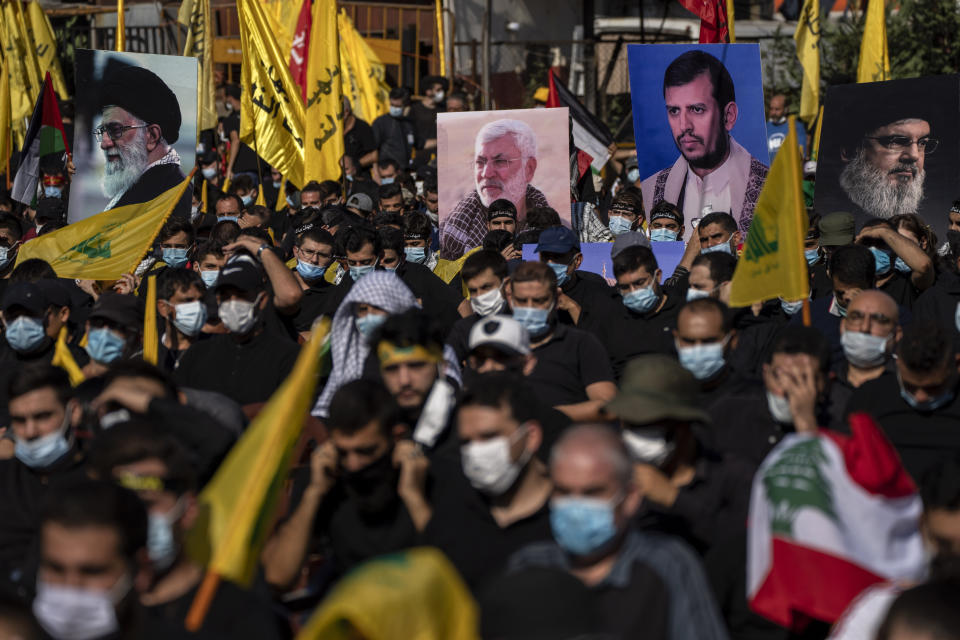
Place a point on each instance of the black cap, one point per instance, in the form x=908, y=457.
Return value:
x=501, y=208
x=27, y=295
x=51, y=209
x=55, y=291
x=121, y=309
x=142, y=93
x=557, y=240
x=232, y=90
x=242, y=273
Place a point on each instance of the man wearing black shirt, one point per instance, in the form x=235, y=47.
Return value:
x=180, y=303
x=358, y=141
x=313, y=251
x=242, y=158
x=483, y=273
x=820, y=285
x=919, y=409
x=424, y=116
x=903, y=269
x=869, y=334
x=393, y=132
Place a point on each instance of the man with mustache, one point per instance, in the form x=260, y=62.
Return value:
x=714, y=172
x=505, y=160
x=140, y=121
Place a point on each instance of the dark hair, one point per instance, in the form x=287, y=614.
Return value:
x=173, y=226
x=391, y=238
x=242, y=182
x=209, y=248
x=497, y=240
x=228, y=196
x=721, y=265
x=33, y=377
x=259, y=211
x=940, y=485
x=853, y=265
x=329, y=188
x=929, y=610
x=384, y=218
x=706, y=305
x=628, y=200
x=330, y=216
x=138, y=368
x=31, y=270
x=685, y=69
x=722, y=218
x=259, y=233
x=139, y=440
x=479, y=261
x=918, y=227
x=417, y=225
x=355, y=237
x=173, y=279
x=360, y=402
x=535, y=272
x=316, y=234
x=428, y=82
x=664, y=209
x=632, y=258
x=400, y=93
x=430, y=184
x=98, y=503
x=388, y=162
x=412, y=327
x=543, y=218
x=795, y=339
x=11, y=222
x=391, y=190
x=314, y=187
x=502, y=390
x=925, y=346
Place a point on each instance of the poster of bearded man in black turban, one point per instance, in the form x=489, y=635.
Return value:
x=135, y=132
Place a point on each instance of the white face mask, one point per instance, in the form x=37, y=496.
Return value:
x=438, y=97
x=72, y=613
x=487, y=304
x=190, y=317
x=649, y=445
x=488, y=465
x=779, y=408
x=239, y=316
x=864, y=350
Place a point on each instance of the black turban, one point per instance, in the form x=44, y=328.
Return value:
x=142, y=93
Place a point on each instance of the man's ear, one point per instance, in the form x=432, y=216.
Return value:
x=534, y=436
x=730, y=113
x=163, y=308
x=737, y=238
x=657, y=276
x=154, y=134
x=64, y=314
x=530, y=169
x=577, y=261
x=530, y=364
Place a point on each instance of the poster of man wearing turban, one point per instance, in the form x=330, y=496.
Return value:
x=135, y=132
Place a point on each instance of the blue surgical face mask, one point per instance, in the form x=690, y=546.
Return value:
x=696, y=294
x=104, y=345
x=358, y=272
x=561, y=272
x=174, y=257
x=5, y=256
x=930, y=405
x=42, y=452
x=415, y=254
x=309, y=271
x=723, y=246
x=901, y=266
x=227, y=218
x=396, y=112
x=641, y=300
x=812, y=255
x=663, y=235
x=209, y=172
x=633, y=175
x=277, y=185
x=25, y=334
x=247, y=200
x=369, y=323
x=619, y=225
x=702, y=360
x=387, y=180
x=842, y=310
x=791, y=308
x=582, y=526
x=50, y=191
x=190, y=317
x=535, y=321
x=210, y=277
x=882, y=260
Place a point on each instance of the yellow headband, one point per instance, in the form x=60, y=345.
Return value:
x=140, y=483
x=390, y=354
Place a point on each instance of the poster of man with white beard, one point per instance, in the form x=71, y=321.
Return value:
x=890, y=148
x=135, y=130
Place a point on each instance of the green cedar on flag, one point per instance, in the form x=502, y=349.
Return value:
x=44, y=136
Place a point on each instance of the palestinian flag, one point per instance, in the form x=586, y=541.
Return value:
x=830, y=515
x=44, y=136
x=591, y=136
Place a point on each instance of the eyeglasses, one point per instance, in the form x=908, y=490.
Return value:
x=499, y=164
x=115, y=130
x=310, y=254
x=899, y=143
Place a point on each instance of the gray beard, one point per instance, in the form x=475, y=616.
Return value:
x=118, y=176
x=870, y=190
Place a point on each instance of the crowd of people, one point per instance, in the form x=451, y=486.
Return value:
x=579, y=446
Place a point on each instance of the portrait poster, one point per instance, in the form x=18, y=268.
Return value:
x=864, y=169
x=521, y=155
x=158, y=91
x=693, y=151
x=596, y=257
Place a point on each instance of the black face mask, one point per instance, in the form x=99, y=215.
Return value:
x=373, y=487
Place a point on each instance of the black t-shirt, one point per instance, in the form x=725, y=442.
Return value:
x=820, y=283
x=938, y=304
x=359, y=141
x=438, y=300
x=641, y=610
x=395, y=137
x=425, y=121
x=569, y=361
x=312, y=304
x=632, y=334
x=459, y=337
x=246, y=160
x=901, y=289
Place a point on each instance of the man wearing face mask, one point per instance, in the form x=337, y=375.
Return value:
x=43, y=416
x=918, y=408
x=244, y=187
x=573, y=372
x=180, y=303
x=869, y=334
x=114, y=331
x=417, y=233
x=228, y=207
x=625, y=214
x=666, y=223
x=424, y=115
x=252, y=359
x=718, y=232
x=483, y=273
x=313, y=250
x=645, y=584
x=176, y=242
x=11, y=230
x=903, y=269
x=154, y=465
x=394, y=133
x=242, y=158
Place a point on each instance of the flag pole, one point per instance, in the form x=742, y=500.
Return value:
x=202, y=601
x=121, y=35
x=440, y=43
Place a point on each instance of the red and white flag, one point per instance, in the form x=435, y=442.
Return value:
x=830, y=515
x=298, y=51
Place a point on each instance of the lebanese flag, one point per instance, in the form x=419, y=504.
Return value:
x=830, y=515
x=300, y=47
x=713, y=19
x=591, y=136
x=45, y=135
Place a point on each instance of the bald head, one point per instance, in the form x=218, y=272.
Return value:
x=591, y=455
x=872, y=311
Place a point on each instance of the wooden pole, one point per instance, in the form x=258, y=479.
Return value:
x=121, y=35
x=202, y=601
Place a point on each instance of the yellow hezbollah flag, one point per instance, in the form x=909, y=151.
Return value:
x=107, y=245
x=64, y=359
x=271, y=112
x=238, y=504
x=415, y=593
x=195, y=16
x=324, y=105
x=45, y=45
x=5, y=122
x=772, y=263
x=815, y=149
x=373, y=93
x=807, y=38
x=24, y=85
x=874, y=63
x=283, y=14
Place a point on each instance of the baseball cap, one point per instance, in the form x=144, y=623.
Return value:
x=55, y=291
x=655, y=387
x=629, y=239
x=501, y=208
x=557, y=240
x=121, y=309
x=27, y=295
x=837, y=229
x=361, y=202
x=240, y=273
x=502, y=332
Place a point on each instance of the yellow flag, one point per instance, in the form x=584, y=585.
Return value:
x=41, y=34
x=121, y=33
x=281, y=196
x=730, y=31
x=18, y=64
x=151, y=340
x=772, y=263
x=64, y=359
x=324, y=105
x=874, y=63
x=271, y=112
x=195, y=16
x=283, y=14
x=807, y=38
x=5, y=123
x=373, y=93
x=237, y=505
x=441, y=53
x=107, y=245
x=815, y=149
x=415, y=593
x=261, y=199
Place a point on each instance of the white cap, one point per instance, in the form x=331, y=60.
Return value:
x=810, y=168
x=500, y=331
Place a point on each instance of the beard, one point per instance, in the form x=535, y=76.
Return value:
x=513, y=189
x=712, y=158
x=124, y=165
x=869, y=188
